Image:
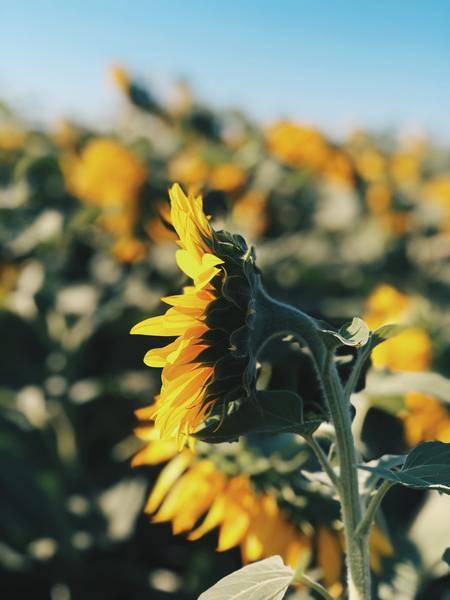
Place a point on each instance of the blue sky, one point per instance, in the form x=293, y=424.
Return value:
x=332, y=63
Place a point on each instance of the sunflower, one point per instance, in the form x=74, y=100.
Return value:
x=197, y=496
x=211, y=363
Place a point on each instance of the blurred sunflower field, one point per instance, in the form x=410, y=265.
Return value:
x=359, y=227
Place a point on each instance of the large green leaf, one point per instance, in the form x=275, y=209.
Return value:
x=370, y=478
x=266, y=579
x=425, y=467
x=273, y=412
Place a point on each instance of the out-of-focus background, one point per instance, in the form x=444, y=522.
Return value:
x=321, y=132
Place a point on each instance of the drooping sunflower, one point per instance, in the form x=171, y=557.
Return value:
x=211, y=363
x=197, y=495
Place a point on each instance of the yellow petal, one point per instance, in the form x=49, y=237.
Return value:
x=233, y=529
x=156, y=452
x=172, y=323
x=213, y=518
x=167, y=478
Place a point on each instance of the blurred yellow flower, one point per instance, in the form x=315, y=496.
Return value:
x=329, y=554
x=410, y=350
x=396, y=222
x=425, y=419
x=12, y=136
x=129, y=250
x=405, y=168
x=338, y=168
x=189, y=488
x=227, y=177
x=197, y=497
x=378, y=198
x=371, y=165
x=385, y=305
x=109, y=176
x=437, y=191
x=379, y=546
x=9, y=274
x=298, y=146
x=189, y=169
x=249, y=211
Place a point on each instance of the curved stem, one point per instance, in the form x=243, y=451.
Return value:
x=314, y=586
x=366, y=522
x=323, y=460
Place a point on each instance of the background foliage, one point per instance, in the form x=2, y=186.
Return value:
x=360, y=227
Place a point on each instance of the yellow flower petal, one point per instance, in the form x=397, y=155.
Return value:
x=167, y=478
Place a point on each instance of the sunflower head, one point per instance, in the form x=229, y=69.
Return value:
x=211, y=363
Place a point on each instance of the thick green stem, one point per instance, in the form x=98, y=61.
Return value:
x=283, y=318
x=357, y=550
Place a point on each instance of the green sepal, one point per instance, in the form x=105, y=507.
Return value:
x=273, y=412
x=425, y=467
x=355, y=334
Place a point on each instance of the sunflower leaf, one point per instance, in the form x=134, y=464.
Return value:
x=273, y=412
x=425, y=467
x=268, y=578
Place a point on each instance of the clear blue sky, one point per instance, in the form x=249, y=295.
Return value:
x=332, y=63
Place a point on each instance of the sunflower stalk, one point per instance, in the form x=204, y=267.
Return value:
x=297, y=323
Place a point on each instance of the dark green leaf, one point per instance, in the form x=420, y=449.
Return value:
x=425, y=467
x=273, y=412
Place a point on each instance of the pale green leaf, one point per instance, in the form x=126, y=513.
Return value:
x=425, y=467
x=266, y=579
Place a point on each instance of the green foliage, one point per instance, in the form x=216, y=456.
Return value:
x=425, y=467
x=70, y=376
x=272, y=412
x=268, y=579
